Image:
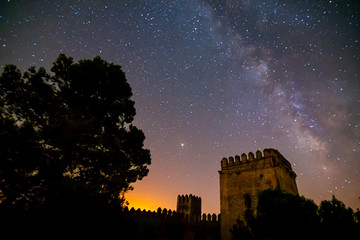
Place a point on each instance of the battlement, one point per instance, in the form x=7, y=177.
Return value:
x=187, y=199
x=269, y=158
x=165, y=214
x=211, y=218
x=160, y=213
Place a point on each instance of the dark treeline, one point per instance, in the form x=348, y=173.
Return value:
x=285, y=216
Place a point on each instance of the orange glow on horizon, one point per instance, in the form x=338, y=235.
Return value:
x=145, y=202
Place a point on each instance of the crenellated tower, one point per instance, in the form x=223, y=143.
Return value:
x=241, y=180
x=190, y=206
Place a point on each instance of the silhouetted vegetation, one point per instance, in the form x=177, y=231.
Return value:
x=337, y=221
x=67, y=143
x=286, y=216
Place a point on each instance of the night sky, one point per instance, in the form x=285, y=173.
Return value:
x=213, y=79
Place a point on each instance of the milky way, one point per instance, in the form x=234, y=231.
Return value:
x=213, y=79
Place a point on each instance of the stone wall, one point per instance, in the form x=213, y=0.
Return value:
x=166, y=224
x=190, y=206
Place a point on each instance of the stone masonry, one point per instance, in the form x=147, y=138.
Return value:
x=243, y=178
x=190, y=206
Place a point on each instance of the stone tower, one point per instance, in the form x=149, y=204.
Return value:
x=243, y=178
x=190, y=206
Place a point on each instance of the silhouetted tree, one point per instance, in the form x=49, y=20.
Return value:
x=357, y=215
x=280, y=216
x=337, y=221
x=67, y=138
x=286, y=216
x=241, y=231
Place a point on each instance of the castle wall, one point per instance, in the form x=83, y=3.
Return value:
x=243, y=178
x=167, y=224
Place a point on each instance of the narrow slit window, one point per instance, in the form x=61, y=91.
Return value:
x=247, y=200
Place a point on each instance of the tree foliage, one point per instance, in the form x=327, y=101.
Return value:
x=280, y=215
x=338, y=222
x=286, y=216
x=68, y=134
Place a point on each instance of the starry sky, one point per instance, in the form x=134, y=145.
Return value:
x=216, y=78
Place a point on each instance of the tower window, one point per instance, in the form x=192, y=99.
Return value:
x=247, y=200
